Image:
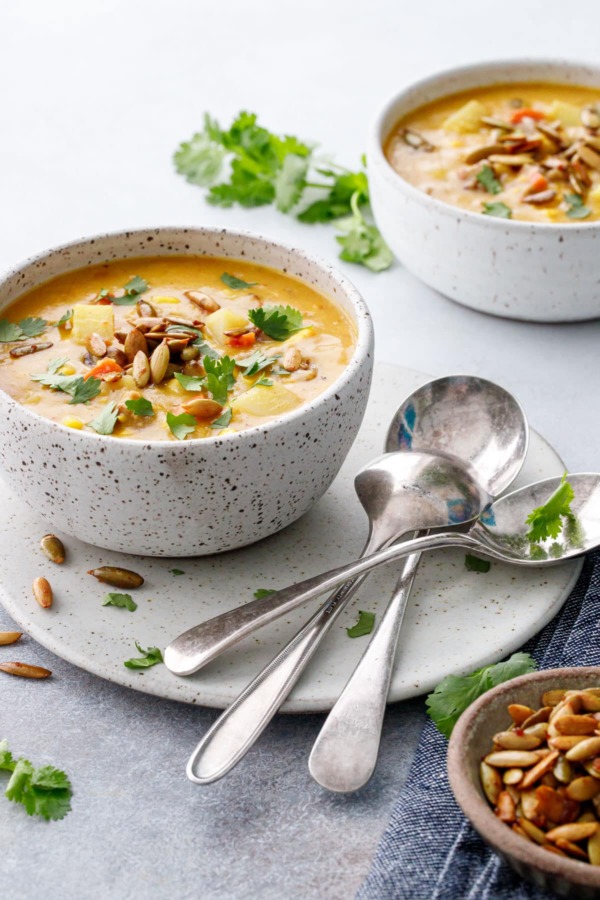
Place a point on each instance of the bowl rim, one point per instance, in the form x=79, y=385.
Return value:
x=378, y=134
x=363, y=323
x=477, y=809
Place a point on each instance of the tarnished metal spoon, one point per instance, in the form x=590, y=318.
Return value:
x=477, y=421
x=397, y=491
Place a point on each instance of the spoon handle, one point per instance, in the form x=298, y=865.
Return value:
x=198, y=646
x=345, y=753
x=236, y=730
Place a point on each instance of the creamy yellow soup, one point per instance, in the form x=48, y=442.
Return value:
x=171, y=348
x=522, y=151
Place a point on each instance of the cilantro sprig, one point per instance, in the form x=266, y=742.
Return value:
x=498, y=210
x=456, y=692
x=133, y=289
x=576, y=207
x=265, y=168
x=26, y=328
x=44, y=792
x=362, y=242
x=277, y=322
x=547, y=521
x=488, y=180
x=81, y=389
x=123, y=601
x=219, y=376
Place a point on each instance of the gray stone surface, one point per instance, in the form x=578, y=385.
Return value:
x=140, y=829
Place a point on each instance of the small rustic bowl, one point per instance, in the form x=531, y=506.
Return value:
x=534, y=271
x=472, y=739
x=193, y=497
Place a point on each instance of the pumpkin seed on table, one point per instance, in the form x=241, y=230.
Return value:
x=24, y=670
x=123, y=578
x=53, y=548
x=10, y=637
x=42, y=591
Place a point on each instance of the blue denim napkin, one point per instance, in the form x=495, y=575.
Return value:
x=429, y=850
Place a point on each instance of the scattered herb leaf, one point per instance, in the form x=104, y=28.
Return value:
x=31, y=327
x=9, y=332
x=140, y=407
x=105, y=421
x=456, y=692
x=277, y=322
x=80, y=389
x=150, y=657
x=26, y=328
x=134, y=287
x=475, y=564
x=85, y=389
x=191, y=382
x=223, y=420
x=547, y=521
x=176, y=571
x=577, y=209
x=181, y=425
x=261, y=593
x=365, y=624
x=264, y=382
x=44, y=792
x=66, y=317
x=487, y=179
x=362, y=242
x=254, y=364
x=123, y=601
x=236, y=284
x=219, y=376
x=498, y=209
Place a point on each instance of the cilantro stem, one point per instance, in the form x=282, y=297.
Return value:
x=320, y=187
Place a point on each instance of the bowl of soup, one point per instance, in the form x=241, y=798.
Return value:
x=485, y=181
x=178, y=391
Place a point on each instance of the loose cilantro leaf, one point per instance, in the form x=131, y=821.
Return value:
x=577, y=209
x=236, y=284
x=205, y=349
x=134, y=287
x=264, y=382
x=44, y=792
x=150, y=657
x=66, y=317
x=456, y=692
x=219, y=376
x=123, y=601
x=487, y=179
x=499, y=210
x=140, y=407
x=290, y=182
x=80, y=389
x=277, y=322
x=105, y=421
x=365, y=624
x=55, y=365
x=176, y=571
x=200, y=159
x=254, y=364
x=9, y=332
x=475, y=564
x=223, y=420
x=338, y=202
x=362, y=242
x=261, y=593
x=547, y=521
x=191, y=382
x=181, y=425
x=85, y=389
x=32, y=326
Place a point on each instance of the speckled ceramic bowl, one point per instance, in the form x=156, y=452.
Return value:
x=472, y=739
x=522, y=270
x=194, y=497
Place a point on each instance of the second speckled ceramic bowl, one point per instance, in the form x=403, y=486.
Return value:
x=522, y=270
x=194, y=497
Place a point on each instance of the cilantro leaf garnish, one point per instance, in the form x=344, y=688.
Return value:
x=236, y=284
x=263, y=381
x=149, y=657
x=223, y=420
x=84, y=389
x=140, y=407
x=181, y=425
x=261, y=593
x=547, y=521
x=475, y=564
x=577, y=208
x=134, y=287
x=498, y=209
x=362, y=242
x=105, y=421
x=255, y=363
x=44, y=792
x=205, y=348
x=219, y=376
x=265, y=168
x=66, y=317
x=123, y=601
x=176, y=571
x=456, y=692
x=80, y=389
x=26, y=328
x=487, y=179
x=365, y=624
x=277, y=322
x=190, y=382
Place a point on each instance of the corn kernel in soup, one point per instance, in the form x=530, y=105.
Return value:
x=166, y=348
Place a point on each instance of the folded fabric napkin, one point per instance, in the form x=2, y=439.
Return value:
x=429, y=849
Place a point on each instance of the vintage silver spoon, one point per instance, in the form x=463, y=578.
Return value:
x=475, y=420
x=397, y=491
x=500, y=532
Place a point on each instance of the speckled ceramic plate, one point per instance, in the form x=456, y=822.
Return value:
x=456, y=620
